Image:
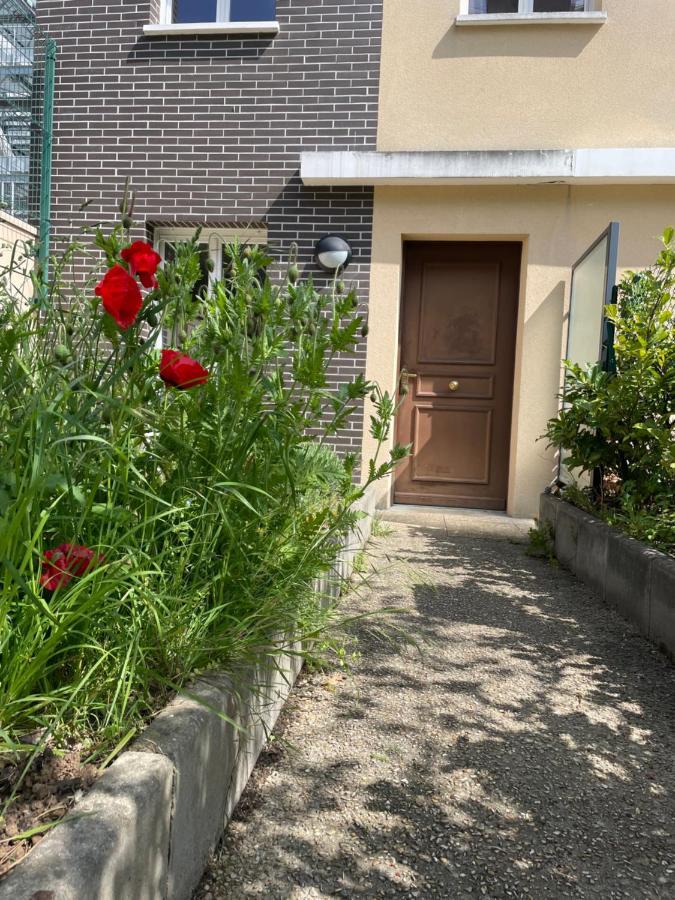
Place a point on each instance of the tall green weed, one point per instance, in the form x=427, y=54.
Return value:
x=209, y=511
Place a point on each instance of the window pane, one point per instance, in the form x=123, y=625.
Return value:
x=203, y=282
x=493, y=6
x=194, y=10
x=558, y=5
x=253, y=10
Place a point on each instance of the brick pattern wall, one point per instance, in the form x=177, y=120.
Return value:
x=211, y=128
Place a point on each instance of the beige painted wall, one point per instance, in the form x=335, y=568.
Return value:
x=556, y=224
x=15, y=263
x=527, y=87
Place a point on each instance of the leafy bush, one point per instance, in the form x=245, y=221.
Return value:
x=162, y=515
x=622, y=423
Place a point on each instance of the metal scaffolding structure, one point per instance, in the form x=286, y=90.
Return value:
x=27, y=63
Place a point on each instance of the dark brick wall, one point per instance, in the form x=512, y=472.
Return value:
x=211, y=128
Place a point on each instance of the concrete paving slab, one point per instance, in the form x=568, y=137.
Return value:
x=476, y=522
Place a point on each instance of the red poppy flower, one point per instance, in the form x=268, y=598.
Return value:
x=66, y=562
x=143, y=261
x=121, y=296
x=179, y=370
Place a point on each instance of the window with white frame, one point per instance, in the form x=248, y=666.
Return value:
x=211, y=249
x=203, y=11
x=501, y=7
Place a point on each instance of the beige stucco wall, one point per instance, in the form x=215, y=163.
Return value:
x=556, y=224
x=16, y=264
x=445, y=87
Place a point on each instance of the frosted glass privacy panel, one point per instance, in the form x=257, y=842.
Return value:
x=588, y=297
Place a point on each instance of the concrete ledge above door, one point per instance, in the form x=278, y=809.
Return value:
x=610, y=165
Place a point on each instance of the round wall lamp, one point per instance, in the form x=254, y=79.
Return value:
x=333, y=253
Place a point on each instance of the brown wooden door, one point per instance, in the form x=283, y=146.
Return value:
x=458, y=335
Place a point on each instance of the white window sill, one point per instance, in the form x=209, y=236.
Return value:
x=189, y=29
x=578, y=18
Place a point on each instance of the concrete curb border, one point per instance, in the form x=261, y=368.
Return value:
x=147, y=827
x=629, y=576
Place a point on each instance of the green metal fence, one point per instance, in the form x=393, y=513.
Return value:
x=27, y=62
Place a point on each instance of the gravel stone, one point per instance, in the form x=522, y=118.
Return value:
x=523, y=746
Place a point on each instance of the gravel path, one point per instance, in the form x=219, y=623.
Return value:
x=526, y=749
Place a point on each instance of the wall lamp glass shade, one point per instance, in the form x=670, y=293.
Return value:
x=333, y=253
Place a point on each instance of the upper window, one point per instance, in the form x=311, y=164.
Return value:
x=495, y=7
x=192, y=11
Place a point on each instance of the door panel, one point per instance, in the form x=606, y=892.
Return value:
x=458, y=333
x=467, y=386
x=437, y=426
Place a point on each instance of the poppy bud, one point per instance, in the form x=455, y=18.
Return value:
x=210, y=265
x=246, y=253
x=340, y=287
x=293, y=274
x=364, y=331
x=127, y=222
x=373, y=397
x=62, y=354
x=151, y=319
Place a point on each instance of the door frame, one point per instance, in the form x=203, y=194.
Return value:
x=523, y=240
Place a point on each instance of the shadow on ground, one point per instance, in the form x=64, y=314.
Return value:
x=526, y=750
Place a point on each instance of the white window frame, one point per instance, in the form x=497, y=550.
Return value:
x=526, y=7
x=223, y=13
x=214, y=237
x=591, y=14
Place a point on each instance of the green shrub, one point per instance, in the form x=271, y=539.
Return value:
x=622, y=423
x=207, y=511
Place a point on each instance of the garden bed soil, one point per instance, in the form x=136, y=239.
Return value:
x=54, y=783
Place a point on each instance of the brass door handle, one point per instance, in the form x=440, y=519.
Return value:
x=454, y=386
